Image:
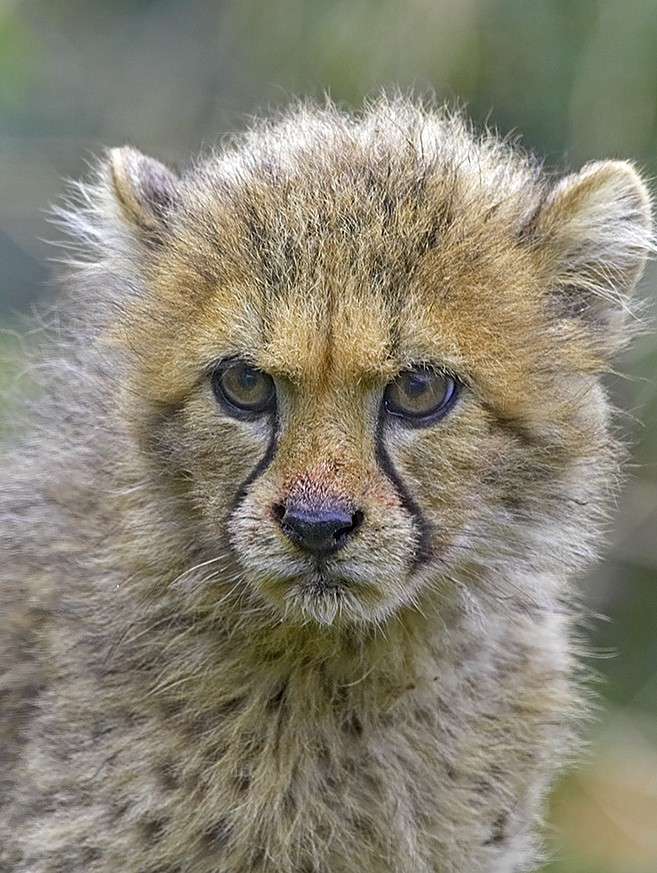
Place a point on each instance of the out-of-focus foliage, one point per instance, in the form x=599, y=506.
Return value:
x=578, y=80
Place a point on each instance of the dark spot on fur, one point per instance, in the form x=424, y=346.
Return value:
x=233, y=705
x=100, y=728
x=218, y=834
x=167, y=776
x=429, y=240
x=217, y=752
x=386, y=719
x=569, y=301
x=527, y=229
x=290, y=804
x=326, y=766
x=158, y=190
x=279, y=266
x=258, y=859
x=152, y=829
x=273, y=656
x=277, y=699
x=171, y=708
x=378, y=272
x=242, y=779
x=252, y=742
x=498, y=833
x=349, y=223
x=388, y=205
x=256, y=228
x=335, y=690
x=425, y=715
x=324, y=754
x=200, y=725
x=118, y=810
x=168, y=869
x=363, y=826
x=510, y=426
x=204, y=724
x=353, y=725
x=90, y=854
x=204, y=267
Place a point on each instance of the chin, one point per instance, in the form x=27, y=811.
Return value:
x=328, y=599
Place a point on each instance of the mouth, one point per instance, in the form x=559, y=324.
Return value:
x=321, y=583
x=326, y=597
x=320, y=600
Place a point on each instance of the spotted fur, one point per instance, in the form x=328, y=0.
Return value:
x=187, y=689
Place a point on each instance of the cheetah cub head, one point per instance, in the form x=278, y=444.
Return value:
x=367, y=350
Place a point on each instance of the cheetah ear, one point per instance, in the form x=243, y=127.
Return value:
x=143, y=188
x=595, y=230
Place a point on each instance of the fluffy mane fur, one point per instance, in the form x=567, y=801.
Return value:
x=186, y=688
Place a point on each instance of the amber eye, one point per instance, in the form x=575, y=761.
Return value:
x=242, y=390
x=420, y=396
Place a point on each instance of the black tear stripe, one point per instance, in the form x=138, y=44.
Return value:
x=259, y=468
x=424, y=550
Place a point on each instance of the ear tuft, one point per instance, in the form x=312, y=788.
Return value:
x=145, y=189
x=594, y=228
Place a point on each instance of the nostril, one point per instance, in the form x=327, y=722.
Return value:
x=318, y=530
x=357, y=519
x=344, y=532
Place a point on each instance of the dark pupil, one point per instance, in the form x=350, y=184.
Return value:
x=246, y=387
x=420, y=393
x=416, y=384
x=248, y=380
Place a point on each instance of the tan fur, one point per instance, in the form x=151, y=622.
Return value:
x=187, y=688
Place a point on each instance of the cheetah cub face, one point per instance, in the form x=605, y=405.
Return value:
x=327, y=527
x=369, y=357
x=326, y=523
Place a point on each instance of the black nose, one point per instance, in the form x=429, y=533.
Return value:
x=319, y=530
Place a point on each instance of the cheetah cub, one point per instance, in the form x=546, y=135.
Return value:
x=286, y=556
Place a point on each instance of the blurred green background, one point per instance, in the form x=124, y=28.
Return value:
x=576, y=78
